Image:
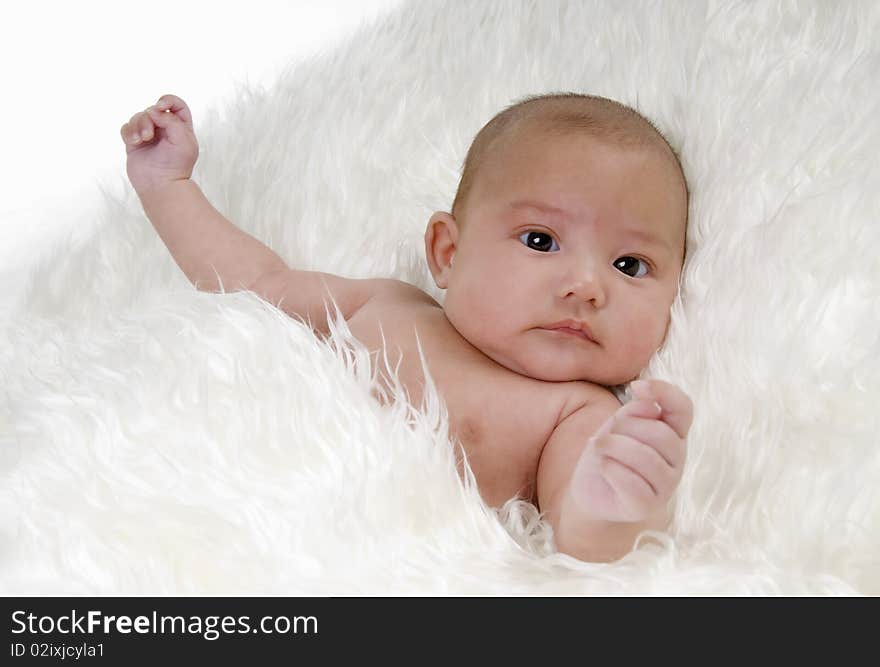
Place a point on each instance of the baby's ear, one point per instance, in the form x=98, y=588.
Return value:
x=441, y=237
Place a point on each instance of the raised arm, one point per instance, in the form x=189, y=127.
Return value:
x=211, y=251
x=608, y=471
x=162, y=151
x=207, y=247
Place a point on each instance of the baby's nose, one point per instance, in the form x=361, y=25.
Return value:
x=586, y=285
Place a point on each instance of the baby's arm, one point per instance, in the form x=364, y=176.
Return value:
x=162, y=151
x=600, y=492
x=211, y=251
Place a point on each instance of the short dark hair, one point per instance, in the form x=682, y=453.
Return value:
x=562, y=112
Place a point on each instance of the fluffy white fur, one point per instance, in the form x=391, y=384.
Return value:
x=158, y=440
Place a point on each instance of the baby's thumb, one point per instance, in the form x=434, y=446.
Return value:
x=676, y=408
x=641, y=390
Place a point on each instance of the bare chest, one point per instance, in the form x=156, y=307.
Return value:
x=501, y=419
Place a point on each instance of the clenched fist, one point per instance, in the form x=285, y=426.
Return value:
x=161, y=144
x=632, y=465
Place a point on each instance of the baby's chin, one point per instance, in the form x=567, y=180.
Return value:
x=555, y=370
x=564, y=375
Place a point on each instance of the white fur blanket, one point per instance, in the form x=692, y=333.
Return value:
x=159, y=440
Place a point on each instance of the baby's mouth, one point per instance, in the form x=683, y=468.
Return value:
x=572, y=332
x=573, y=329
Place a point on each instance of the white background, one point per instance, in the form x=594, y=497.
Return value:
x=74, y=72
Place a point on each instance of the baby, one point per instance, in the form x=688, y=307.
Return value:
x=560, y=258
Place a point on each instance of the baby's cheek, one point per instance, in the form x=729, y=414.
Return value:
x=645, y=335
x=473, y=312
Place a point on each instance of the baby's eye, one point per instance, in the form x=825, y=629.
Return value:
x=629, y=264
x=539, y=241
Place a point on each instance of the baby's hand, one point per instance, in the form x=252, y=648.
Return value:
x=160, y=143
x=632, y=465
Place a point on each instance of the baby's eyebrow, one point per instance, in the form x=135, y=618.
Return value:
x=648, y=237
x=641, y=234
x=540, y=206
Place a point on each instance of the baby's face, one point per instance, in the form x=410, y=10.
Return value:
x=568, y=230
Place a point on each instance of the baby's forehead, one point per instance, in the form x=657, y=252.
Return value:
x=512, y=149
x=516, y=171
x=520, y=146
x=543, y=135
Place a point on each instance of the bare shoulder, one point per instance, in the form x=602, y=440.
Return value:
x=390, y=298
x=391, y=289
x=306, y=294
x=586, y=396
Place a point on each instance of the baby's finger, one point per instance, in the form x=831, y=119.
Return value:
x=656, y=434
x=146, y=127
x=643, y=461
x=647, y=408
x=176, y=106
x=174, y=127
x=138, y=129
x=677, y=408
x=633, y=493
x=128, y=136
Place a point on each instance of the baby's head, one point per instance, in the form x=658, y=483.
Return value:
x=571, y=209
